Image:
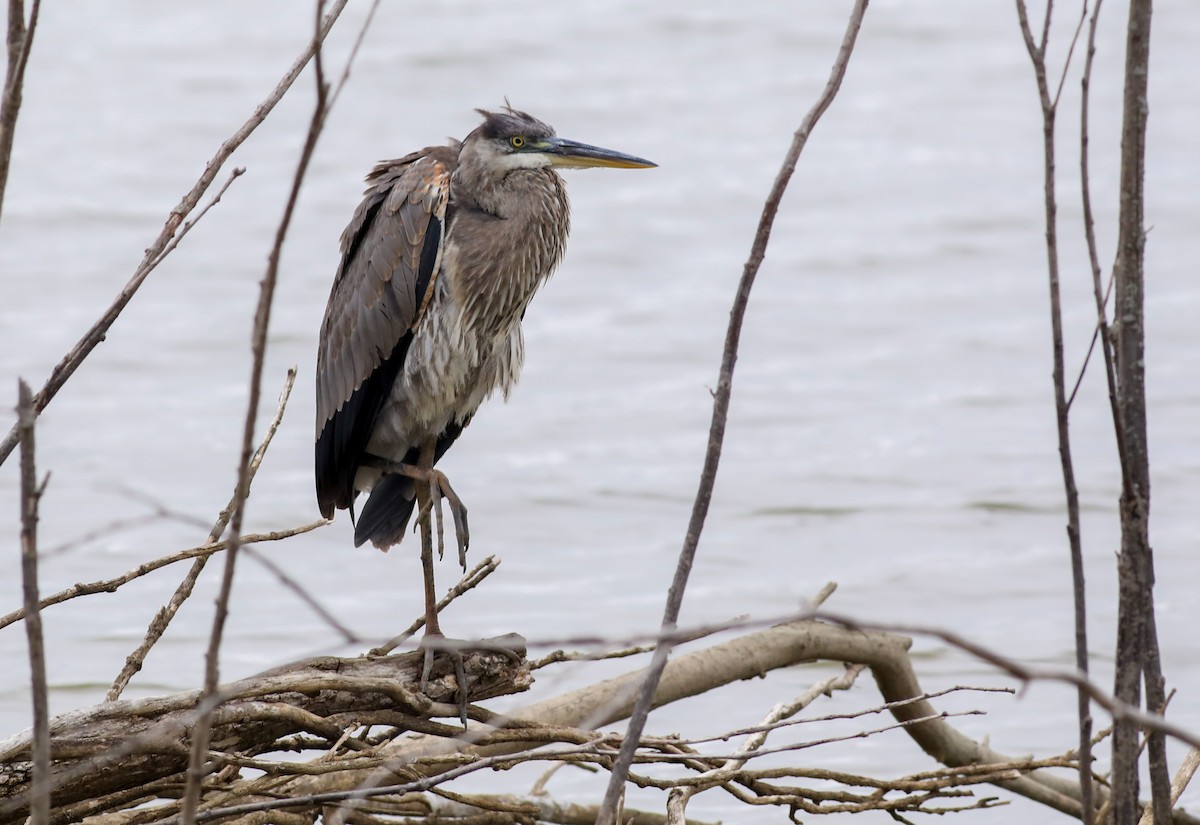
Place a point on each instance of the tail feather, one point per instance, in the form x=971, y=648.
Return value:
x=384, y=518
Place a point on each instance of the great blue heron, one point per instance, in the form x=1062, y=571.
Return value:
x=423, y=323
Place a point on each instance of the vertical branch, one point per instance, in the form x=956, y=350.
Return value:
x=19, y=40
x=716, y=434
x=1137, y=642
x=40, y=794
x=262, y=320
x=1037, y=55
x=1089, y=230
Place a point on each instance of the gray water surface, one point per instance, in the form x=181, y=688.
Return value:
x=892, y=425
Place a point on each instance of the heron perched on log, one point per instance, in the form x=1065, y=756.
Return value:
x=438, y=265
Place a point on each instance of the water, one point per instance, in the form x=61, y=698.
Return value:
x=892, y=425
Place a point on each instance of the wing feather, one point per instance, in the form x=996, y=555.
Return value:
x=381, y=287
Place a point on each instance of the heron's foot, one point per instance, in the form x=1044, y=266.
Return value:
x=439, y=488
x=435, y=644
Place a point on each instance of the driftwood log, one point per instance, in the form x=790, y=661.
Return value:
x=313, y=704
x=127, y=745
x=747, y=657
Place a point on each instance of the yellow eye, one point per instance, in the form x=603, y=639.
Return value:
x=517, y=142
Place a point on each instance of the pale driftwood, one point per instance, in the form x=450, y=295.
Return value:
x=547, y=810
x=750, y=656
x=148, y=738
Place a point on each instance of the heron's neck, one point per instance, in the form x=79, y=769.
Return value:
x=507, y=243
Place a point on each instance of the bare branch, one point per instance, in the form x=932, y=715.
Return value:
x=20, y=44
x=40, y=793
x=721, y=398
x=113, y=584
x=147, y=738
x=1137, y=642
x=469, y=580
x=1062, y=405
x=678, y=800
x=262, y=321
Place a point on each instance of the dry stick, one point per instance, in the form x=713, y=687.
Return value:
x=1137, y=643
x=1037, y=56
x=1119, y=709
x=835, y=717
x=544, y=809
x=716, y=434
x=1089, y=230
x=1187, y=769
x=20, y=44
x=159, y=249
x=39, y=806
x=158, y=626
x=678, y=799
x=262, y=320
x=113, y=584
x=469, y=580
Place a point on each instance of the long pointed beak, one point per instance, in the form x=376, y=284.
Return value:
x=574, y=155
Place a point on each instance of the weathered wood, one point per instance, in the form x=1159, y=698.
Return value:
x=120, y=746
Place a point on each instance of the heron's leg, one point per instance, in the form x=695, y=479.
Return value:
x=434, y=641
x=431, y=618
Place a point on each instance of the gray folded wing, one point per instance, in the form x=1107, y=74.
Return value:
x=390, y=254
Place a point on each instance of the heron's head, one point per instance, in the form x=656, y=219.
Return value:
x=509, y=139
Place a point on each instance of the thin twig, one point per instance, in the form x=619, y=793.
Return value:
x=469, y=580
x=721, y=398
x=262, y=321
x=1120, y=710
x=39, y=806
x=1037, y=56
x=237, y=172
x=834, y=717
x=1099, y=290
x=154, y=254
x=678, y=799
x=113, y=584
x=158, y=625
x=20, y=44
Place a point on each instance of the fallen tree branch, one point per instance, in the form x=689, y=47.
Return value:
x=611, y=701
x=319, y=696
